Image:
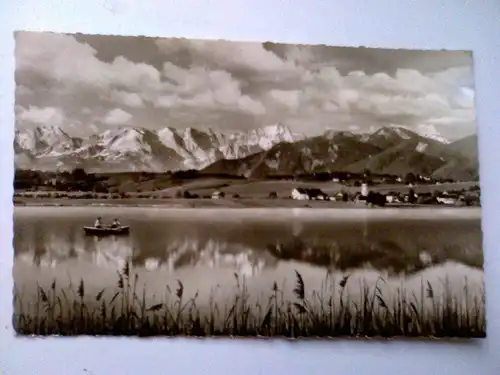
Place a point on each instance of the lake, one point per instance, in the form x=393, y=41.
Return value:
x=204, y=248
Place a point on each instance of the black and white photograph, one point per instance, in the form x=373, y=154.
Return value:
x=191, y=187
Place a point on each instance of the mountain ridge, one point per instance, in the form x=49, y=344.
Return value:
x=394, y=151
x=272, y=149
x=130, y=149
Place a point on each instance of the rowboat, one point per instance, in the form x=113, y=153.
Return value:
x=106, y=231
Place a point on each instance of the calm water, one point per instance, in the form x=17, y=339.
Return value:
x=206, y=247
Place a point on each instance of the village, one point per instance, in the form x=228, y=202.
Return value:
x=363, y=189
x=462, y=197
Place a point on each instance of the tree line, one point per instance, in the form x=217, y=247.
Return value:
x=80, y=180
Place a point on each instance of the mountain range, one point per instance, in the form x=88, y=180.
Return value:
x=255, y=153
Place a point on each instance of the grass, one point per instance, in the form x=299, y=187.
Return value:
x=326, y=313
x=244, y=188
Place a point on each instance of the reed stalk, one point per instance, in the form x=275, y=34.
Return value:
x=327, y=312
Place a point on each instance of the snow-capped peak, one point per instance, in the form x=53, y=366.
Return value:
x=278, y=130
x=427, y=131
x=430, y=131
x=168, y=136
x=401, y=132
x=272, y=134
x=125, y=140
x=41, y=138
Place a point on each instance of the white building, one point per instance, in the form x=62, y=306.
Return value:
x=364, y=190
x=218, y=195
x=447, y=200
x=300, y=194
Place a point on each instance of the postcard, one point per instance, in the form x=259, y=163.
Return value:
x=181, y=187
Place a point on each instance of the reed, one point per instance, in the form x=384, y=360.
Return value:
x=327, y=312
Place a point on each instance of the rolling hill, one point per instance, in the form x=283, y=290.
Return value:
x=468, y=147
x=387, y=151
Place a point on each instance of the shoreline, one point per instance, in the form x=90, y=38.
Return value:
x=221, y=203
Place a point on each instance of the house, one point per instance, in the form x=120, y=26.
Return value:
x=447, y=199
x=317, y=194
x=218, y=195
x=410, y=197
x=364, y=190
x=392, y=198
x=300, y=194
x=308, y=194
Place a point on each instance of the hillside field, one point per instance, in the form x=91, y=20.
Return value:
x=163, y=189
x=261, y=189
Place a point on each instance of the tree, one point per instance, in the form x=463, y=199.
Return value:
x=79, y=174
x=410, y=178
x=376, y=199
x=412, y=198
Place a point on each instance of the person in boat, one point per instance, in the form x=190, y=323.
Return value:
x=116, y=224
x=98, y=223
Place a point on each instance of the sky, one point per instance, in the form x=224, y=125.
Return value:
x=89, y=83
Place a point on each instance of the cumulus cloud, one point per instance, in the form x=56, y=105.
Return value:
x=63, y=60
x=418, y=97
x=36, y=115
x=117, y=116
x=247, y=56
x=130, y=99
x=287, y=98
x=239, y=85
x=201, y=88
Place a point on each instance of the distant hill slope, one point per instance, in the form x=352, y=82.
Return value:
x=388, y=150
x=331, y=152
x=468, y=147
x=465, y=163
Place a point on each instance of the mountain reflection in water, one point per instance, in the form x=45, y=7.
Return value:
x=249, y=248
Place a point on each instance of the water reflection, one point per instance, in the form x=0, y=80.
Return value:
x=250, y=248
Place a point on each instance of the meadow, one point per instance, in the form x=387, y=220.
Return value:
x=238, y=194
x=327, y=312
